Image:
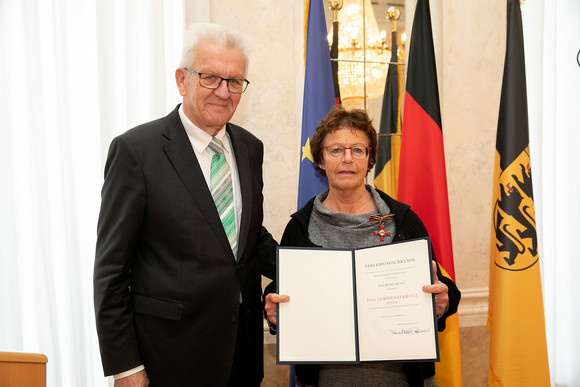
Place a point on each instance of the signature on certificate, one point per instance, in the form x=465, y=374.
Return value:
x=408, y=331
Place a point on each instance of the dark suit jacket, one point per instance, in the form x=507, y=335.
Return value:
x=166, y=284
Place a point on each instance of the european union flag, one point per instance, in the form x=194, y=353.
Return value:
x=318, y=99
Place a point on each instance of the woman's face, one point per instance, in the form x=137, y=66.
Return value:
x=347, y=171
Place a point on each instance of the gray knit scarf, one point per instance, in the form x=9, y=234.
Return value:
x=339, y=230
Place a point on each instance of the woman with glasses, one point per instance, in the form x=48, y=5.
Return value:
x=344, y=149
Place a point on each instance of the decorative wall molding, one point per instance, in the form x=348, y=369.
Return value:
x=473, y=307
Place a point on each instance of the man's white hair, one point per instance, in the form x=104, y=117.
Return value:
x=214, y=34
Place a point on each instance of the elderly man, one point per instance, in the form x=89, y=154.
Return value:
x=181, y=247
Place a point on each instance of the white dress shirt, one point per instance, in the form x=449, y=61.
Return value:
x=200, y=140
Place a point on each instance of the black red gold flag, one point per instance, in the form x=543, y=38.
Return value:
x=422, y=176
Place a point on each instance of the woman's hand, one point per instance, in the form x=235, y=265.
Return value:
x=270, y=306
x=440, y=290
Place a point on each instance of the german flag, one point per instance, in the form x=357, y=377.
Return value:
x=518, y=350
x=422, y=176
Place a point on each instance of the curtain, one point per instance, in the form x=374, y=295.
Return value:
x=551, y=32
x=73, y=74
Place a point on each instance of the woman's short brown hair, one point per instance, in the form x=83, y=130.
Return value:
x=340, y=118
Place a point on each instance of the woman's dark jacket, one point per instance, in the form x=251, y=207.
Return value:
x=407, y=226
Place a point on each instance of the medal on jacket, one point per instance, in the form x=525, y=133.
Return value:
x=381, y=221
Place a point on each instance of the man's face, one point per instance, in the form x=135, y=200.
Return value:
x=210, y=109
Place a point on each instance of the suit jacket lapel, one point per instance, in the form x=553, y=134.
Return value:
x=181, y=154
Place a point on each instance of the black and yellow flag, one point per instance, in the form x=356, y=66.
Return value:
x=389, y=141
x=518, y=350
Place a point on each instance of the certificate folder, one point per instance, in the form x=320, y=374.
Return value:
x=353, y=306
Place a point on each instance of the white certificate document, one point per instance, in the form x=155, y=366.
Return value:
x=396, y=319
x=351, y=306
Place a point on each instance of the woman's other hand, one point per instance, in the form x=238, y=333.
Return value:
x=270, y=306
x=440, y=290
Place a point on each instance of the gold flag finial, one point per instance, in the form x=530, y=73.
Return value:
x=335, y=6
x=393, y=14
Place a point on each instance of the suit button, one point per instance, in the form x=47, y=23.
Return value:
x=234, y=318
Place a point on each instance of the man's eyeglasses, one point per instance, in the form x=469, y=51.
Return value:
x=358, y=151
x=210, y=81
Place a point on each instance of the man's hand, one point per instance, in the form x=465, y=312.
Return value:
x=270, y=306
x=138, y=379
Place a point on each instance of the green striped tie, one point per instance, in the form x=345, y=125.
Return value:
x=222, y=192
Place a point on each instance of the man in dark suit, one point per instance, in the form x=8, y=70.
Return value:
x=177, y=283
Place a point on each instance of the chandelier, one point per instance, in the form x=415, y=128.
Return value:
x=362, y=52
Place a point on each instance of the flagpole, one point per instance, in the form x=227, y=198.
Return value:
x=335, y=6
x=393, y=14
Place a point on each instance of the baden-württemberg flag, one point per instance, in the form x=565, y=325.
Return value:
x=518, y=351
x=422, y=177
x=318, y=98
x=389, y=141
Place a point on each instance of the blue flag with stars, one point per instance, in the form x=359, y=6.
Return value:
x=318, y=99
